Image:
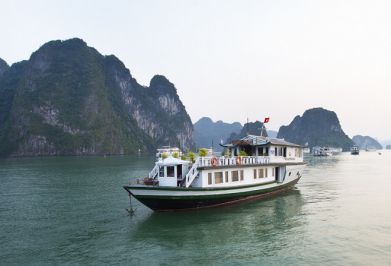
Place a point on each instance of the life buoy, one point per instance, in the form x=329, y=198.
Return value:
x=213, y=161
x=238, y=160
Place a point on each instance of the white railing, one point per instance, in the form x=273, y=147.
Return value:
x=242, y=160
x=154, y=172
x=192, y=174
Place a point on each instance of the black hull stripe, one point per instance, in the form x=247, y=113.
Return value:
x=167, y=203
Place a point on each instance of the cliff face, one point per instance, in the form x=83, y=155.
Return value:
x=366, y=142
x=207, y=132
x=69, y=99
x=317, y=127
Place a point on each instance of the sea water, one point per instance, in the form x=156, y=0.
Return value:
x=72, y=210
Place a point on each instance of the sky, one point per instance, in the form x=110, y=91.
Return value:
x=233, y=60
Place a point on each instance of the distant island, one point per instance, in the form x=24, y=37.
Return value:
x=3, y=67
x=366, y=142
x=316, y=127
x=68, y=99
x=209, y=134
x=251, y=128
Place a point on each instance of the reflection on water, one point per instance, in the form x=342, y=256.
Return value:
x=72, y=210
x=252, y=226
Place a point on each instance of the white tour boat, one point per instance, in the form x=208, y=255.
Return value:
x=168, y=151
x=321, y=151
x=270, y=166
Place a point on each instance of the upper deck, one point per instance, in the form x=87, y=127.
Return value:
x=242, y=161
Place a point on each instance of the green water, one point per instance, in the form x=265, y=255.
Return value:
x=72, y=211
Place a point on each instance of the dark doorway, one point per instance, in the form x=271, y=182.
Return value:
x=277, y=169
x=179, y=175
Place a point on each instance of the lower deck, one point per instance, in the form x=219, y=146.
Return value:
x=179, y=198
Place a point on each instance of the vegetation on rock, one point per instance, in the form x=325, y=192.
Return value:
x=317, y=127
x=68, y=99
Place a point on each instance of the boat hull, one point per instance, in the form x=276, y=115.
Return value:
x=166, y=199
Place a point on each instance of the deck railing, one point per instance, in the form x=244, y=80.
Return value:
x=232, y=161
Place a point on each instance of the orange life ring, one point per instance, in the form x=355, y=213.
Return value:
x=213, y=161
x=238, y=160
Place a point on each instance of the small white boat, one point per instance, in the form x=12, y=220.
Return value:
x=269, y=166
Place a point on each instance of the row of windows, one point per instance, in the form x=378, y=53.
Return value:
x=218, y=177
x=237, y=175
x=262, y=173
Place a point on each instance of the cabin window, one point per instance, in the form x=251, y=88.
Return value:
x=170, y=171
x=266, y=172
x=218, y=177
x=260, y=173
x=209, y=178
x=226, y=177
x=273, y=171
x=275, y=151
x=234, y=176
x=161, y=171
x=241, y=175
x=267, y=151
x=255, y=173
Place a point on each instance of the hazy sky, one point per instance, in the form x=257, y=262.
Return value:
x=233, y=59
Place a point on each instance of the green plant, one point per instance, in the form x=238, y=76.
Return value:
x=183, y=158
x=191, y=156
x=175, y=155
x=203, y=152
x=227, y=153
x=164, y=156
x=243, y=153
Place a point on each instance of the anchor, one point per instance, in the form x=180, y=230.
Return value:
x=130, y=210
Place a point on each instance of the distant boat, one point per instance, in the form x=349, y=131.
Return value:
x=370, y=149
x=168, y=151
x=321, y=151
x=354, y=150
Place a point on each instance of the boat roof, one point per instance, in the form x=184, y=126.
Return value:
x=169, y=161
x=252, y=140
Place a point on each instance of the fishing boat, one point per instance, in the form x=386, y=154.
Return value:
x=354, y=150
x=253, y=167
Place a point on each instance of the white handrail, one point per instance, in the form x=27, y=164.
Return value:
x=192, y=174
x=154, y=171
